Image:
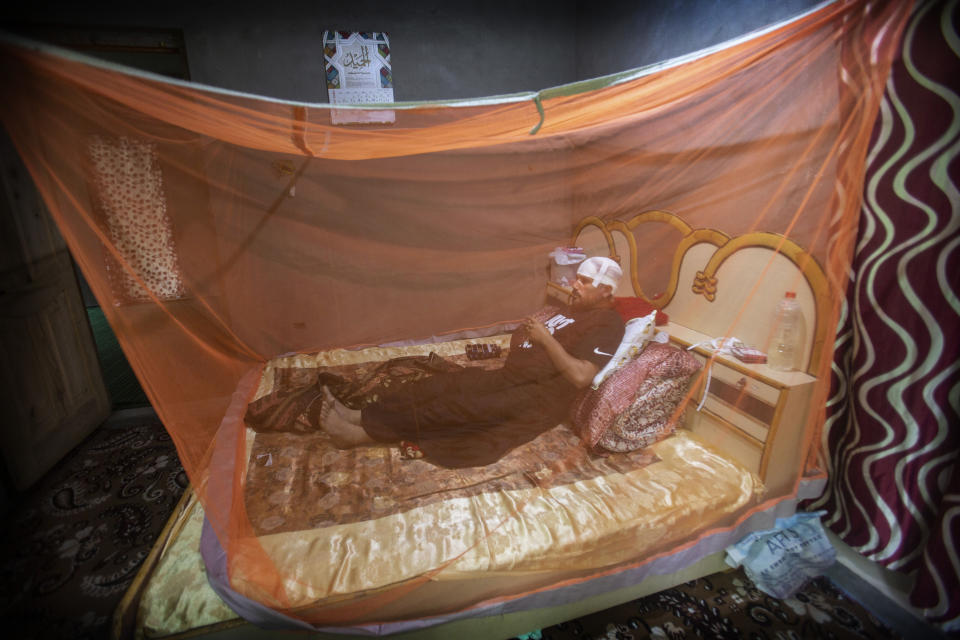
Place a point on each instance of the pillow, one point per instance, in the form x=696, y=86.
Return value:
x=636, y=334
x=649, y=419
x=634, y=407
x=633, y=307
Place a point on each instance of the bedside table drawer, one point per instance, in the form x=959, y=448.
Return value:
x=761, y=391
x=752, y=427
x=726, y=400
x=742, y=401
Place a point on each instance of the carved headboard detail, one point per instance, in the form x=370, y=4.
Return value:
x=702, y=293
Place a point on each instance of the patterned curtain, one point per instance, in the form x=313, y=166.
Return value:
x=893, y=420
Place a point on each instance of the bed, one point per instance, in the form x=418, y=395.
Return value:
x=550, y=530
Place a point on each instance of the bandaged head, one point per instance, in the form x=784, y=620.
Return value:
x=602, y=270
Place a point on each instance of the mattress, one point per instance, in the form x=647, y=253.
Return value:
x=687, y=488
x=346, y=526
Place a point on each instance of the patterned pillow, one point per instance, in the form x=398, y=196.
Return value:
x=634, y=407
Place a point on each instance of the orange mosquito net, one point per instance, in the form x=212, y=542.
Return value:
x=220, y=230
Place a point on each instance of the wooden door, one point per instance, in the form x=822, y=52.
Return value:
x=51, y=389
x=51, y=386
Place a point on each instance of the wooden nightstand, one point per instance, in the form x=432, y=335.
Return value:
x=752, y=412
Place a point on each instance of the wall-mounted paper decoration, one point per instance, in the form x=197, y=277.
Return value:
x=130, y=196
x=358, y=71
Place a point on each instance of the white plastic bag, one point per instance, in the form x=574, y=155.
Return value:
x=564, y=263
x=568, y=255
x=781, y=560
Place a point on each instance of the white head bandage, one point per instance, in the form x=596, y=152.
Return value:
x=602, y=270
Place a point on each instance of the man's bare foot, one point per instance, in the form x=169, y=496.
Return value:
x=326, y=406
x=344, y=434
x=345, y=412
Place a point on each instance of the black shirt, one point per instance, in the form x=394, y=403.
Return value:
x=584, y=335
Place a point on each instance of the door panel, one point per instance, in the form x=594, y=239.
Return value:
x=51, y=390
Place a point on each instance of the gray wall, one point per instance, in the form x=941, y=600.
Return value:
x=620, y=34
x=440, y=49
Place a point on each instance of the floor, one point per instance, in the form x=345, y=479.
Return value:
x=887, y=609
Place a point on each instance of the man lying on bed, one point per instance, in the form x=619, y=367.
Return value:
x=491, y=411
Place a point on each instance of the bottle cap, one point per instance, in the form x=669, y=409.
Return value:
x=791, y=294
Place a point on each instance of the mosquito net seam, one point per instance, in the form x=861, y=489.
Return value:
x=568, y=89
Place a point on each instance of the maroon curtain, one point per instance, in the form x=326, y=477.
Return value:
x=893, y=423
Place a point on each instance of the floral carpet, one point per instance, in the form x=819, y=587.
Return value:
x=73, y=544
x=727, y=606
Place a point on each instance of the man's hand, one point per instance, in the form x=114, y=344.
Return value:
x=579, y=372
x=537, y=332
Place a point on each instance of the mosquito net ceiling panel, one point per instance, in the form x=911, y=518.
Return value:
x=221, y=231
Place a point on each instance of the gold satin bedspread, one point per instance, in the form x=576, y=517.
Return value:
x=564, y=515
x=585, y=524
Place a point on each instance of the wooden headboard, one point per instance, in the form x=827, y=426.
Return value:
x=717, y=286
x=720, y=286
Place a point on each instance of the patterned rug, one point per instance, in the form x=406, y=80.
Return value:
x=726, y=606
x=72, y=546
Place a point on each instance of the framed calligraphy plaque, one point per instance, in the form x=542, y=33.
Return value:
x=358, y=72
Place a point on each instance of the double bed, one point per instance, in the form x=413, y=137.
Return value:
x=379, y=541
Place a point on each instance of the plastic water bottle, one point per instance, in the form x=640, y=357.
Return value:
x=788, y=335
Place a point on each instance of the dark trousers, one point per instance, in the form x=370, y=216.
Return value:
x=468, y=417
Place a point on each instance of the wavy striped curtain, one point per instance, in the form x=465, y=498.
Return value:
x=893, y=424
